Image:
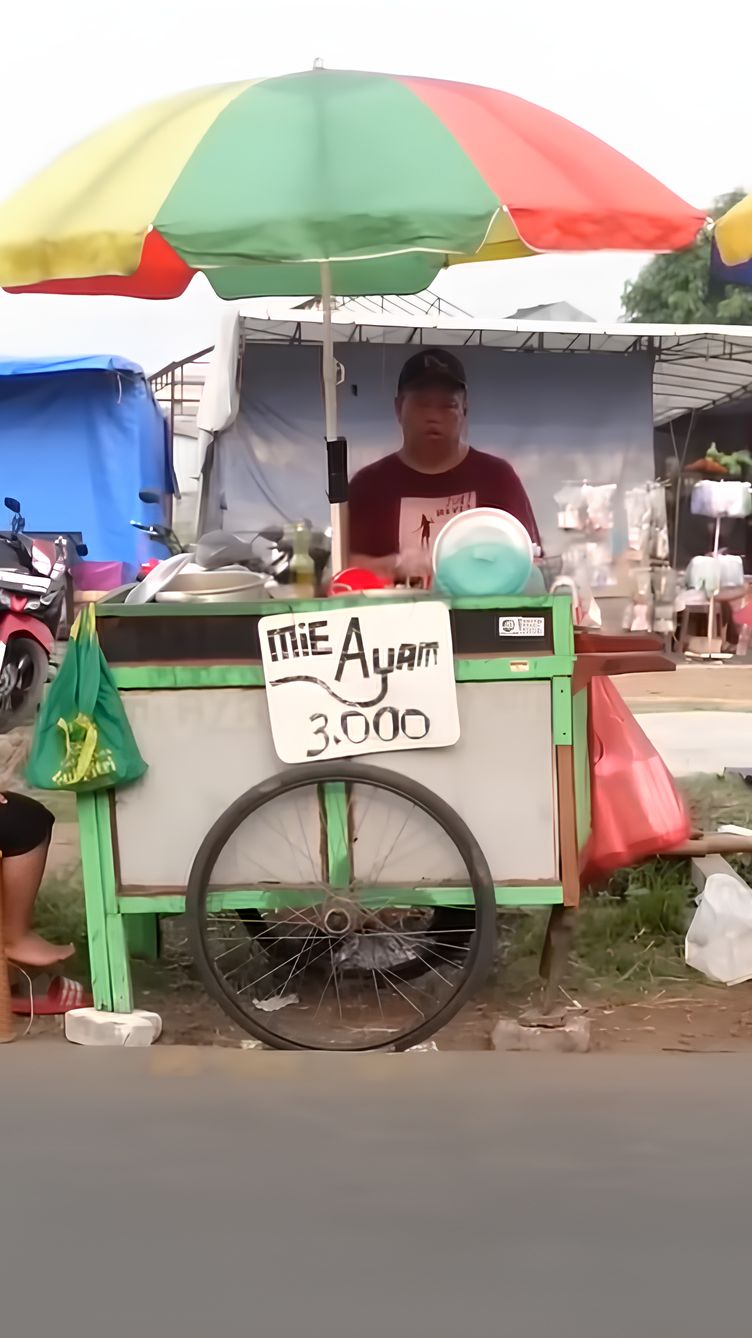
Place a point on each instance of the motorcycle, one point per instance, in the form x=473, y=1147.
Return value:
x=159, y=534
x=218, y=550
x=34, y=593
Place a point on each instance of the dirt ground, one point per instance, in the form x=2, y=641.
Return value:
x=688, y=1017
x=722, y=687
x=704, y=1021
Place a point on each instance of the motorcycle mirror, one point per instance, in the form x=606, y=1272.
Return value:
x=273, y=534
x=82, y=550
x=13, y=505
x=148, y=496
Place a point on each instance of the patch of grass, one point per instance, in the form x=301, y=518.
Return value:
x=59, y=915
x=632, y=935
x=628, y=938
x=714, y=800
x=636, y=938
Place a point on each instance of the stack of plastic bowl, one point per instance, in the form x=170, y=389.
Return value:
x=484, y=552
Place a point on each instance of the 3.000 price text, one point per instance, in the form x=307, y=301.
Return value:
x=386, y=725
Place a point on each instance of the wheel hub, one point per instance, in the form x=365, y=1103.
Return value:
x=339, y=921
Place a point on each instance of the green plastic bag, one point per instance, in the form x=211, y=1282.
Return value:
x=83, y=740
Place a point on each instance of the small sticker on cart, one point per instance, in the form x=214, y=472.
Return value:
x=522, y=627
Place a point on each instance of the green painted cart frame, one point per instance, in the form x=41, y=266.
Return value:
x=120, y=924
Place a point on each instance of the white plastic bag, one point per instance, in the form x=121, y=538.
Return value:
x=719, y=497
x=719, y=939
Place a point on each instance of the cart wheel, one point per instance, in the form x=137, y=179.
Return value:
x=339, y=906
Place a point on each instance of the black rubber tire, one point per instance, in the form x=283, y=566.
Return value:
x=317, y=773
x=38, y=658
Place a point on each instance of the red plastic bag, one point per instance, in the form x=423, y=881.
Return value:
x=636, y=809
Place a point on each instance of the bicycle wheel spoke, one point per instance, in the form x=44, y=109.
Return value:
x=386, y=975
x=341, y=962
x=390, y=849
x=378, y=993
x=257, y=979
x=434, y=953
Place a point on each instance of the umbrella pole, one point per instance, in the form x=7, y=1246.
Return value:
x=336, y=448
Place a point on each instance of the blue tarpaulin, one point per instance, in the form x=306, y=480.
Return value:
x=79, y=438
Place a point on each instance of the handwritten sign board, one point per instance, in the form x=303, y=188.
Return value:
x=360, y=680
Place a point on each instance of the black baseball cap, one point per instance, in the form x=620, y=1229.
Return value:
x=429, y=367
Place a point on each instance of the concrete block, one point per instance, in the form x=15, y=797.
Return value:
x=571, y=1038
x=87, y=1026
x=705, y=866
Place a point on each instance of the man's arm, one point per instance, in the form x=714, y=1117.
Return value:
x=369, y=537
x=372, y=535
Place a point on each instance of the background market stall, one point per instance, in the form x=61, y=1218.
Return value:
x=79, y=438
x=621, y=404
x=561, y=401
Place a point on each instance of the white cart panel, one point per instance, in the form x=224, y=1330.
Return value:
x=205, y=747
x=499, y=778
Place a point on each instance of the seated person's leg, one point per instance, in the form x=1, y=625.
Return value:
x=25, y=832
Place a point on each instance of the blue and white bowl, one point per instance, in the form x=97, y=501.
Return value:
x=485, y=551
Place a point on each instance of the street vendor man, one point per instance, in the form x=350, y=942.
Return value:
x=399, y=504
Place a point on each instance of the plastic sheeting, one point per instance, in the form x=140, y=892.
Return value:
x=637, y=811
x=554, y=416
x=96, y=362
x=78, y=440
x=719, y=939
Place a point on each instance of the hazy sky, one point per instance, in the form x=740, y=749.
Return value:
x=665, y=81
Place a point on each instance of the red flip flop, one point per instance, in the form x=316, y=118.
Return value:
x=60, y=997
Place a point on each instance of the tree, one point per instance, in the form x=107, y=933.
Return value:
x=677, y=289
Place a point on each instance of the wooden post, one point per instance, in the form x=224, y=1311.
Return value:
x=7, y=1029
x=567, y=801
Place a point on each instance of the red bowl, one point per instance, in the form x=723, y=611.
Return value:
x=353, y=580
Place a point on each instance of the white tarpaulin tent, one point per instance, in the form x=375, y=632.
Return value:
x=562, y=401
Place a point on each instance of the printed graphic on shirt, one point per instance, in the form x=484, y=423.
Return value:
x=422, y=518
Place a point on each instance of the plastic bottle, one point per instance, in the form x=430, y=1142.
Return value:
x=302, y=569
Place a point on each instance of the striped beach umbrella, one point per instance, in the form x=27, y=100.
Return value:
x=325, y=182
x=387, y=178
x=731, y=254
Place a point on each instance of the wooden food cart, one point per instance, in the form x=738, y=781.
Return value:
x=497, y=813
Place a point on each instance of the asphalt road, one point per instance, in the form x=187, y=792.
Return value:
x=199, y=1193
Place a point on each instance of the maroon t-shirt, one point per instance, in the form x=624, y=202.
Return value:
x=396, y=509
